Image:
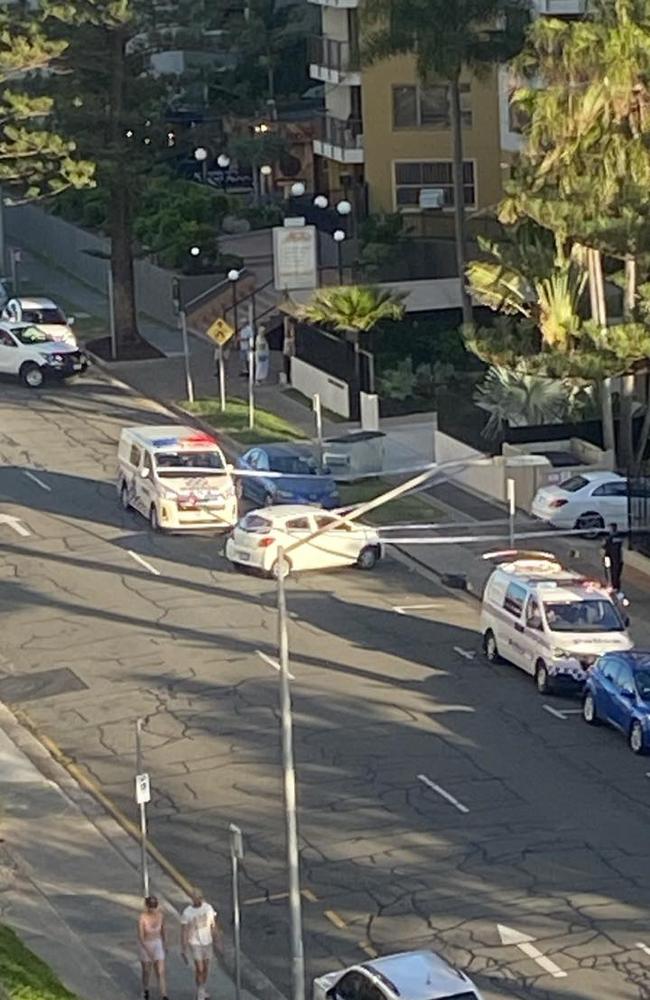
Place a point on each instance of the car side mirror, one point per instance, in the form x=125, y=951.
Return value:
x=144, y=473
x=72, y=320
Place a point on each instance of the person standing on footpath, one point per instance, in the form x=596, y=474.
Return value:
x=613, y=556
x=200, y=936
x=152, y=946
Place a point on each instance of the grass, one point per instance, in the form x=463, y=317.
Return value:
x=234, y=421
x=409, y=508
x=24, y=976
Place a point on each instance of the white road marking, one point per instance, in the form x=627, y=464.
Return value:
x=16, y=524
x=525, y=944
x=643, y=947
x=39, y=482
x=441, y=791
x=271, y=662
x=557, y=712
x=469, y=654
x=402, y=609
x=143, y=562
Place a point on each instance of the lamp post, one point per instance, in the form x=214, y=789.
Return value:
x=320, y=201
x=201, y=157
x=339, y=236
x=233, y=277
x=297, y=189
x=265, y=172
x=223, y=162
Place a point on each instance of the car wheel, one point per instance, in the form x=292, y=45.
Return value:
x=154, y=523
x=542, y=680
x=274, y=572
x=591, y=523
x=32, y=375
x=490, y=648
x=589, y=710
x=367, y=558
x=636, y=740
x=124, y=497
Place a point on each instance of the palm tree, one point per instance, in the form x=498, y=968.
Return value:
x=515, y=397
x=446, y=37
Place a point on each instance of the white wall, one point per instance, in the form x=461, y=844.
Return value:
x=334, y=393
x=489, y=479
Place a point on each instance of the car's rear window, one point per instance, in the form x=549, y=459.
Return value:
x=292, y=466
x=573, y=484
x=255, y=524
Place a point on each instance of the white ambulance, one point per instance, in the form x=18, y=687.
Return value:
x=177, y=477
x=548, y=620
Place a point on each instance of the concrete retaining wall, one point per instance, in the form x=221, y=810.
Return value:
x=334, y=392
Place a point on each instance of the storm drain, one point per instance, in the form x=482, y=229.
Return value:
x=44, y=684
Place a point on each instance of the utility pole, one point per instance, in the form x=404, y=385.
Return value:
x=236, y=855
x=142, y=796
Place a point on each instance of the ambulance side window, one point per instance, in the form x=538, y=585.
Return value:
x=134, y=456
x=514, y=599
x=533, y=614
x=147, y=463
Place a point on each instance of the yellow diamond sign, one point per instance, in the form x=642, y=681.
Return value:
x=220, y=331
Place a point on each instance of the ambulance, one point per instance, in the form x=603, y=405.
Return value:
x=177, y=477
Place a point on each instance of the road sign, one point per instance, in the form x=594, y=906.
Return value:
x=220, y=332
x=142, y=789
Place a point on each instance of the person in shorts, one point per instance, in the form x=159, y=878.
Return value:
x=201, y=938
x=152, y=946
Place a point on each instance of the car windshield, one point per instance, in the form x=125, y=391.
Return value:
x=642, y=678
x=51, y=315
x=292, y=465
x=573, y=484
x=183, y=464
x=31, y=335
x=595, y=615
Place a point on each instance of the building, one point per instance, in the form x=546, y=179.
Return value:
x=387, y=142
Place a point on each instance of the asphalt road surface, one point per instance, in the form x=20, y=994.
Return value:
x=438, y=797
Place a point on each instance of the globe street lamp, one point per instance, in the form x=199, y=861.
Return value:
x=201, y=156
x=233, y=277
x=338, y=235
x=297, y=189
x=320, y=201
x=195, y=251
x=223, y=162
x=344, y=207
x=265, y=172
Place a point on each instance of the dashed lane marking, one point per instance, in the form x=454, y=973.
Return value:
x=468, y=654
x=643, y=947
x=555, y=711
x=39, y=482
x=439, y=790
x=403, y=609
x=271, y=662
x=143, y=562
x=334, y=918
x=368, y=948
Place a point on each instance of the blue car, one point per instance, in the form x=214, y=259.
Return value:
x=298, y=482
x=617, y=691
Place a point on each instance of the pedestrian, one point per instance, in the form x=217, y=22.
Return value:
x=200, y=936
x=613, y=556
x=288, y=347
x=152, y=946
x=262, y=356
x=245, y=337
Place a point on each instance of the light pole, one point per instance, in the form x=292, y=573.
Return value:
x=339, y=236
x=233, y=277
x=297, y=189
x=344, y=209
x=265, y=172
x=236, y=855
x=223, y=162
x=201, y=156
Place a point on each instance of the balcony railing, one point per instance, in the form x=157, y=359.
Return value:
x=332, y=54
x=562, y=8
x=342, y=134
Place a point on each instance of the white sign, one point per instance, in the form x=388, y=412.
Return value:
x=142, y=789
x=295, y=258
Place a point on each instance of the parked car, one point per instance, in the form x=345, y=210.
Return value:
x=258, y=536
x=44, y=313
x=298, y=482
x=618, y=692
x=411, y=975
x=28, y=352
x=589, y=502
x=548, y=620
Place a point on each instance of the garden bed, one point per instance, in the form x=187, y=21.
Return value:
x=23, y=976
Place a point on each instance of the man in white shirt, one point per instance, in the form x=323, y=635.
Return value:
x=200, y=936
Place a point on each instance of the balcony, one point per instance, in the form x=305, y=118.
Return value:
x=340, y=140
x=338, y=4
x=561, y=8
x=333, y=62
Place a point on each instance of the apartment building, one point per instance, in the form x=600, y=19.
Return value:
x=384, y=135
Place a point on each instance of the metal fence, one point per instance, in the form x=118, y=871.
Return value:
x=638, y=501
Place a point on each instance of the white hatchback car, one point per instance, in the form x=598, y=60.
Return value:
x=589, y=501
x=43, y=313
x=257, y=537
x=411, y=975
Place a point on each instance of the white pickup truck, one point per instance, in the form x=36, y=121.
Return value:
x=29, y=353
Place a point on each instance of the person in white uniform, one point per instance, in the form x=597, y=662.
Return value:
x=201, y=937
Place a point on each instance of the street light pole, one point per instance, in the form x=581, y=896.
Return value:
x=189, y=386
x=236, y=855
x=233, y=276
x=111, y=312
x=339, y=236
x=289, y=783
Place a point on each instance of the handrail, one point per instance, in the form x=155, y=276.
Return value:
x=222, y=285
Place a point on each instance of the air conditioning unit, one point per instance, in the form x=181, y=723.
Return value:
x=432, y=197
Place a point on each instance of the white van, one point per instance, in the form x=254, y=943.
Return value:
x=177, y=477
x=548, y=620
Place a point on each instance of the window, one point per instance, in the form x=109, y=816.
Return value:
x=184, y=464
x=255, y=524
x=574, y=484
x=349, y=986
x=428, y=107
x=593, y=615
x=330, y=522
x=412, y=177
x=613, y=489
x=53, y=316
x=31, y=335
x=298, y=524
x=624, y=678
x=147, y=463
x=6, y=340
x=533, y=614
x=514, y=599
x=134, y=457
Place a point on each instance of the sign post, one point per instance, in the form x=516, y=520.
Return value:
x=236, y=855
x=318, y=417
x=295, y=259
x=511, y=512
x=221, y=332
x=142, y=796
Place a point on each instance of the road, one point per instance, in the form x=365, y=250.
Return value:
x=438, y=798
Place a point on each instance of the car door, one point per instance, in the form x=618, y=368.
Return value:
x=134, y=485
x=297, y=529
x=605, y=688
x=622, y=697
x=248, y=462
x=511, y=631
x=611, y=502
x=9, y=354
x=532, y=636
x=339, y=546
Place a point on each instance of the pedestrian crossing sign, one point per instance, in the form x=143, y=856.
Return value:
x=220, y=331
